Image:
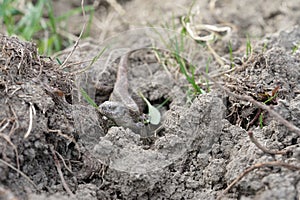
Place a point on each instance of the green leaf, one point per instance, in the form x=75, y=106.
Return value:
x=154, y=114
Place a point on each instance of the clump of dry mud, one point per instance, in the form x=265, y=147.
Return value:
x=65, y=147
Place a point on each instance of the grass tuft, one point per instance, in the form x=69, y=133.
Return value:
x=182, y=65
x=30, y=23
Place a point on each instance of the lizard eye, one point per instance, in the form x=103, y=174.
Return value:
x=111, y=107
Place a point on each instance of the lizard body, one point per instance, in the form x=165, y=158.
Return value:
x=121, y=108
x=120, y=92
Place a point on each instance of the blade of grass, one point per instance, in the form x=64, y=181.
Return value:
x=182, y=66
x=95, y=58
x=163, y=103
x=30, y=22
x=248, y=47
x=261, y=116
x=88, y=98
x=261, y=120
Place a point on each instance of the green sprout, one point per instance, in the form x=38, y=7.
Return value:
x=248, y=47
x=261, y=119
x=230, y=55
x=295, y=48
x=183, y=69
x=271, y=98
x=265, y=102
x=265, y=47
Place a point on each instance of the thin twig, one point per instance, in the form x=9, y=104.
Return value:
x=3, y=120
x=14, y=91
x=71, y=139
x=15, y=125
x=22, y=59
x=68, y=50
x=57, y=164
x=5, y=125
x=62, y=159
x=95, y=58
x=254, y=119
x=77, y=41
x=78, y=63
x=222, y=73
x=264, y=149
x=117, y=7
x=273, y=113
x=20, y=172
x=256, y=166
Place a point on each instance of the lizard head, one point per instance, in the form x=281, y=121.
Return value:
x=113, y=109
x=121, y=115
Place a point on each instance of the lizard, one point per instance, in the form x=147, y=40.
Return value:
x=121, y=108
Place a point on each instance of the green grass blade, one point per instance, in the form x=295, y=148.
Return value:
x=261, y=120
x=248, y=47
x=88, y=98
